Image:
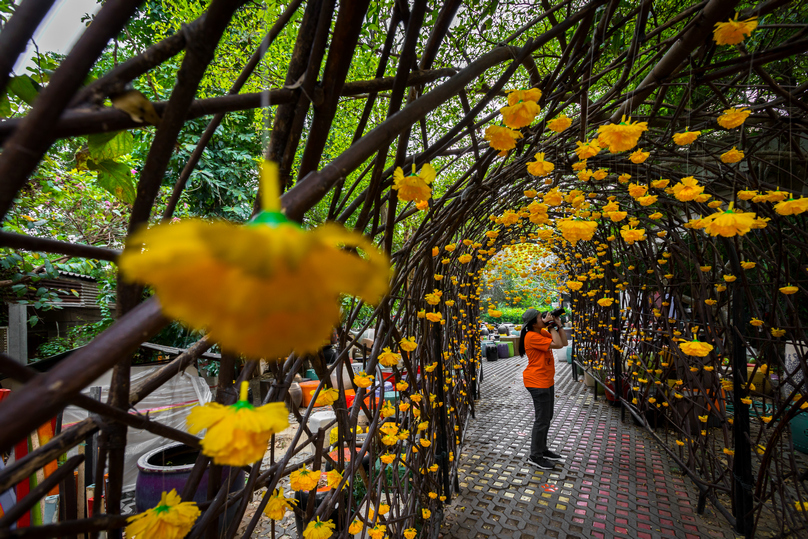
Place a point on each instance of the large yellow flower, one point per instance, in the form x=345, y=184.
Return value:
x=687, y=189
x=605, y=302
x=639, y=156
x=732, y=118
x=408, y=344
x=559, y=124
x=517, y=96
x=434, y=317
x=414, y=186
x=733, y=31
x=553, y=197
x=688, y=137
x=540, y=167
x=241, y=282
x=636, y=190
x=237, y=435
x=520, y=114
x=501, y=138
x=433, y=298
x=388, y=358
x=585, y=150
x=729, y=223
x=631, y=234
x=792, y=206
x=277, y=505
x=363, y=379
x=647, y=200
x=327, y=397
x=574, y=285
x=732, y=156
x=585, y=175
x=171, y=519
x=304, y=479
x=318, y=529
x=695, y=348
x=621, y=137
x=575, y=230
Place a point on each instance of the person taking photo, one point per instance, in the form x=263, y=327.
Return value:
x=541, y=334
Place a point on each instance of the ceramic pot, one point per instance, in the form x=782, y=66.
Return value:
x=294, y=396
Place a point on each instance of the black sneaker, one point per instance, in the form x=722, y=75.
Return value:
x=549, y=455
x=542, y=463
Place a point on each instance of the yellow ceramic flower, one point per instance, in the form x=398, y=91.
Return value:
x=388, y=358
x=540, y=167
x=585, y=150
x=402, y=386
x=559, y=124
x=237, y=435
x=517, y=96
x=585, y=175
x=529, y=193
x=575, y=230
x=631, y=234
x=621, y=137
x=327, y=397
x=600, y=174
x=777, y=332
x=636, y=190
x=732, y=118
x=520, y=114
x=788, y=290
x=426, y=513
x=378, y=531
x=333, y=478
x=433, y=298
x=733, y=31
x=422, y=205
x=317, y=529
x=410, y=533
x=579, y=165
x=660, y=184
x=355, y=527
x=647, y=200
x=688, y=137
x=756, y=322
x=408, y=344
x=493, y=313
x=171, y=519
x=732, y=156
x=792, y=206
x=729, y=223
x=574, y=285
x=605, y=302
x=414, y=186
x=687, y=189
x=362, y=379
x=277, y=505
x=434, y=317
x=639, y=156
x=217, y=276
x=695, y=348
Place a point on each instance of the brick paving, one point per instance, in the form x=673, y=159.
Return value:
x=615, y=482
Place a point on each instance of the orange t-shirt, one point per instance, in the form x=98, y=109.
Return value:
x=540, y=370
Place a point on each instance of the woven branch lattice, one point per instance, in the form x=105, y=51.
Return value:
x=668, y=73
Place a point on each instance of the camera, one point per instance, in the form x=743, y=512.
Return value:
x=557, y=312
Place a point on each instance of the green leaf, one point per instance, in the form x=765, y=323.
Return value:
x=33, y=320
x=105, y=146
x=5, y=106
x=115, y=178
x=24, y=87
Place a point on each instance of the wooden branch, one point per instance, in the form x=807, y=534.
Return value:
x=32, y=243
x=23, y=151
x=63, y=529
x=700, y=29
x=43, y=397
x=16, y=33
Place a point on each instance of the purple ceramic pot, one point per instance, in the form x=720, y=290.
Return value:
x=168, y=467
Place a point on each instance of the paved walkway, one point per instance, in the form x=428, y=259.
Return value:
x=615, y=481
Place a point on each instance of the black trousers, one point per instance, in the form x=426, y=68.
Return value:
x=543, y=402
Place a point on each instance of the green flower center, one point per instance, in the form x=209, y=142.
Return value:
x=243, y=405
x=161, y=509
x=271, y=218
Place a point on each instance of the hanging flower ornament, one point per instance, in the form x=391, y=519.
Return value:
x=318, y=529
x=278, y=504
x=687, y=189
x=540, y=167
x=585, y=150
x=734, y=31
x=732, y=118
x=792, y=206
x=522, y=108
x=732, y=156
x=695, y=347
x=237, y=435
x=574, y=230
x=621, y=137
x=171, y=519
x=501, y=138
x=729, y=223
x=559, y=124
x=414, y=186
x=688, y=137
x=639, y=156
x=240, y=283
